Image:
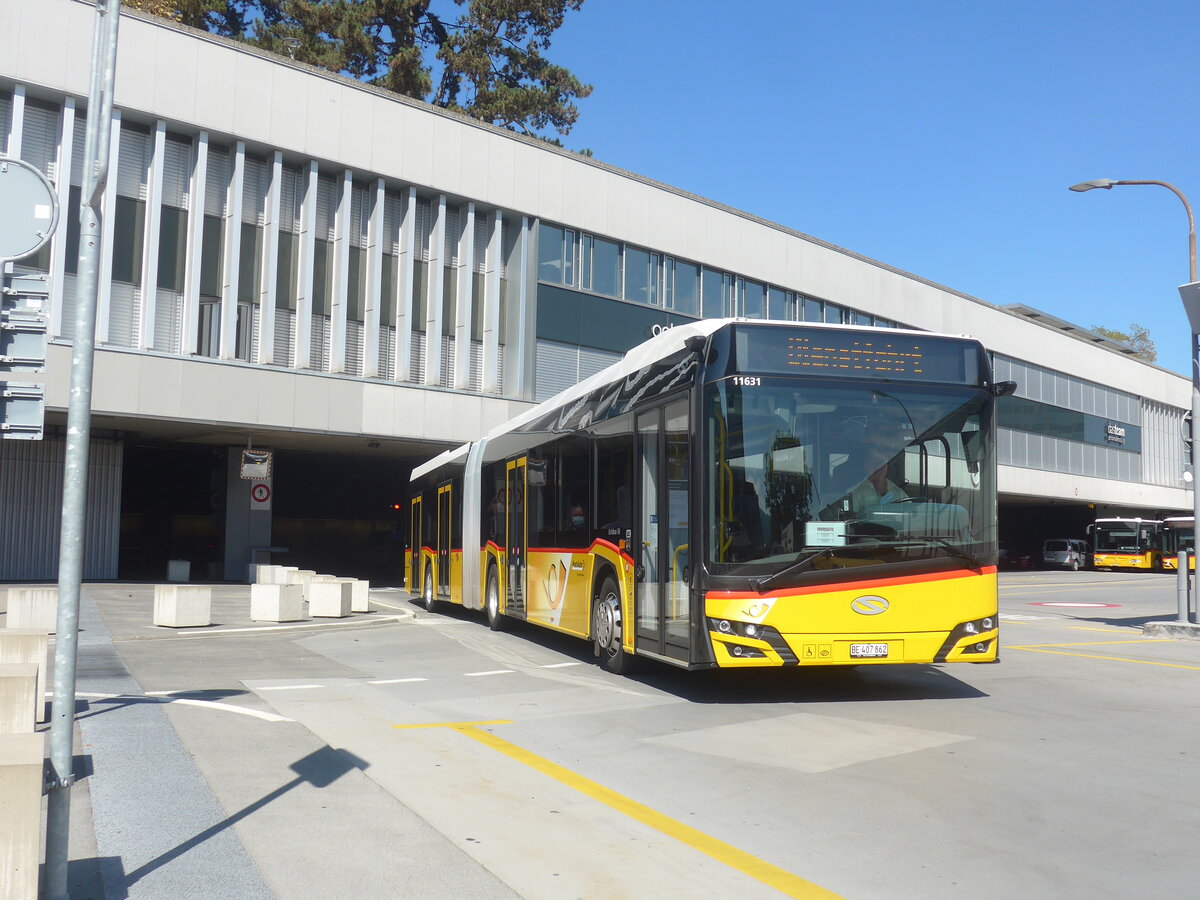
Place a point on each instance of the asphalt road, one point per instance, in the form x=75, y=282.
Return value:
x=402, y=755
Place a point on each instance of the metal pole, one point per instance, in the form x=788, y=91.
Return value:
x=1181, y=583
x=79, y=410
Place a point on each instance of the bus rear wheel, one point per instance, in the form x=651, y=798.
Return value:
x=608, y=630
x=496, y=620
x=428, y=598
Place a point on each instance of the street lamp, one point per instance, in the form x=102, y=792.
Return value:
x=1190, y=293
x=1107, y=184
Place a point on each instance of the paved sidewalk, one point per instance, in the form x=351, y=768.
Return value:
x=192, y=787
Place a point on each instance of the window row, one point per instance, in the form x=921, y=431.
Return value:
x=586, y=262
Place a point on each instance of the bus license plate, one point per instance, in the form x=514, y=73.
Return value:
x=868, y=651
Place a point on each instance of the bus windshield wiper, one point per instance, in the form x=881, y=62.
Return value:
x=950, y=548
x=802, y=565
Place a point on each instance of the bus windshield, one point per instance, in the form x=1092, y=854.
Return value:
x=838, y=475
x=1123, y=537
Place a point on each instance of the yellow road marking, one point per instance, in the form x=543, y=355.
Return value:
x=457, y=725
x=1093, y=643
x=1143, y=662
x=761, y=870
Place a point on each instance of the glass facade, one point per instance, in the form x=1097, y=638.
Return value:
x=595, y=265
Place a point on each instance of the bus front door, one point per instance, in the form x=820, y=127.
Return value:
x=515, y=541
x=662, y=604
x=444, y=532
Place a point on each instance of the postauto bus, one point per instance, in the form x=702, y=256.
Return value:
x=1178, y=533
x=1119, y=543
x=735, y=493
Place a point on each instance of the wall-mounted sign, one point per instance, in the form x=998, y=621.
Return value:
x=1114, y=433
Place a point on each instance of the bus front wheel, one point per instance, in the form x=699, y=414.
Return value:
x=608, y=630
x=427, y=595
x=495, y=619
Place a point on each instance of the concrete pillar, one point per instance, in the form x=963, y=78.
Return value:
x=277, y=603
x=21, y=760
x=33, y=608
x=18, y=700
x=247, y=518
x=329, y=600
x=28, y=645
x=182, y=605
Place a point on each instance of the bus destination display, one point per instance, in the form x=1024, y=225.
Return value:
x=849, y=355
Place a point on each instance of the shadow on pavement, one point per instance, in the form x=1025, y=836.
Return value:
x=320, y=769
x=797, y=685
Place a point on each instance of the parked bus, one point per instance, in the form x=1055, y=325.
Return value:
x=735, y=493
x=1178, y=533
x=1127, y=544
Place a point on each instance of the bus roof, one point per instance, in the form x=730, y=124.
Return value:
x=447, y=456
x=669, y=341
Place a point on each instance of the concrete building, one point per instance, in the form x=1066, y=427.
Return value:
x=296, y=261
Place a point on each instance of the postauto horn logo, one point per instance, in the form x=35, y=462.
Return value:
x=869, y=605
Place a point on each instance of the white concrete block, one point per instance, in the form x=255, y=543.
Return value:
x=261, y=573
x=359, y=594
x=22, y=757
x=325, y=579
x=33, y=608
x=277, y=603
x=281, y=573
x=28, y=645
x=18, y=697
x=300, y=576
x=329, y=600
x=179, y=569
x=182, y=605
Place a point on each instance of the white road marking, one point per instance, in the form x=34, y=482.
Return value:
x=493, y=672
x=187, y=701
x=289, y=687
x=397, y=680
x=282, y=626
x=558, y=665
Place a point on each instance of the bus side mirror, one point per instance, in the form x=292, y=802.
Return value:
x=1003, y=388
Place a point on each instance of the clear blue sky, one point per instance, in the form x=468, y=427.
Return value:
x=938, y=137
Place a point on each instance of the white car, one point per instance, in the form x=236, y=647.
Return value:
x=1065, y=553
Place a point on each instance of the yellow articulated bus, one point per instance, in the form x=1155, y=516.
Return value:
x=1178, y=533
x=735, y=493
x=1119, y=543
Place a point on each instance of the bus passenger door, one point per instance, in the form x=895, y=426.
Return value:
x=516, y=541
x=662, y=611
x=444, y=511
x=414, y=549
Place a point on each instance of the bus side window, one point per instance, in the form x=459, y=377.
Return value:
x=612, y=506
x=574, y=494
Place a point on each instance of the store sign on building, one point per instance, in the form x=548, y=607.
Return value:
x=1115, y=434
